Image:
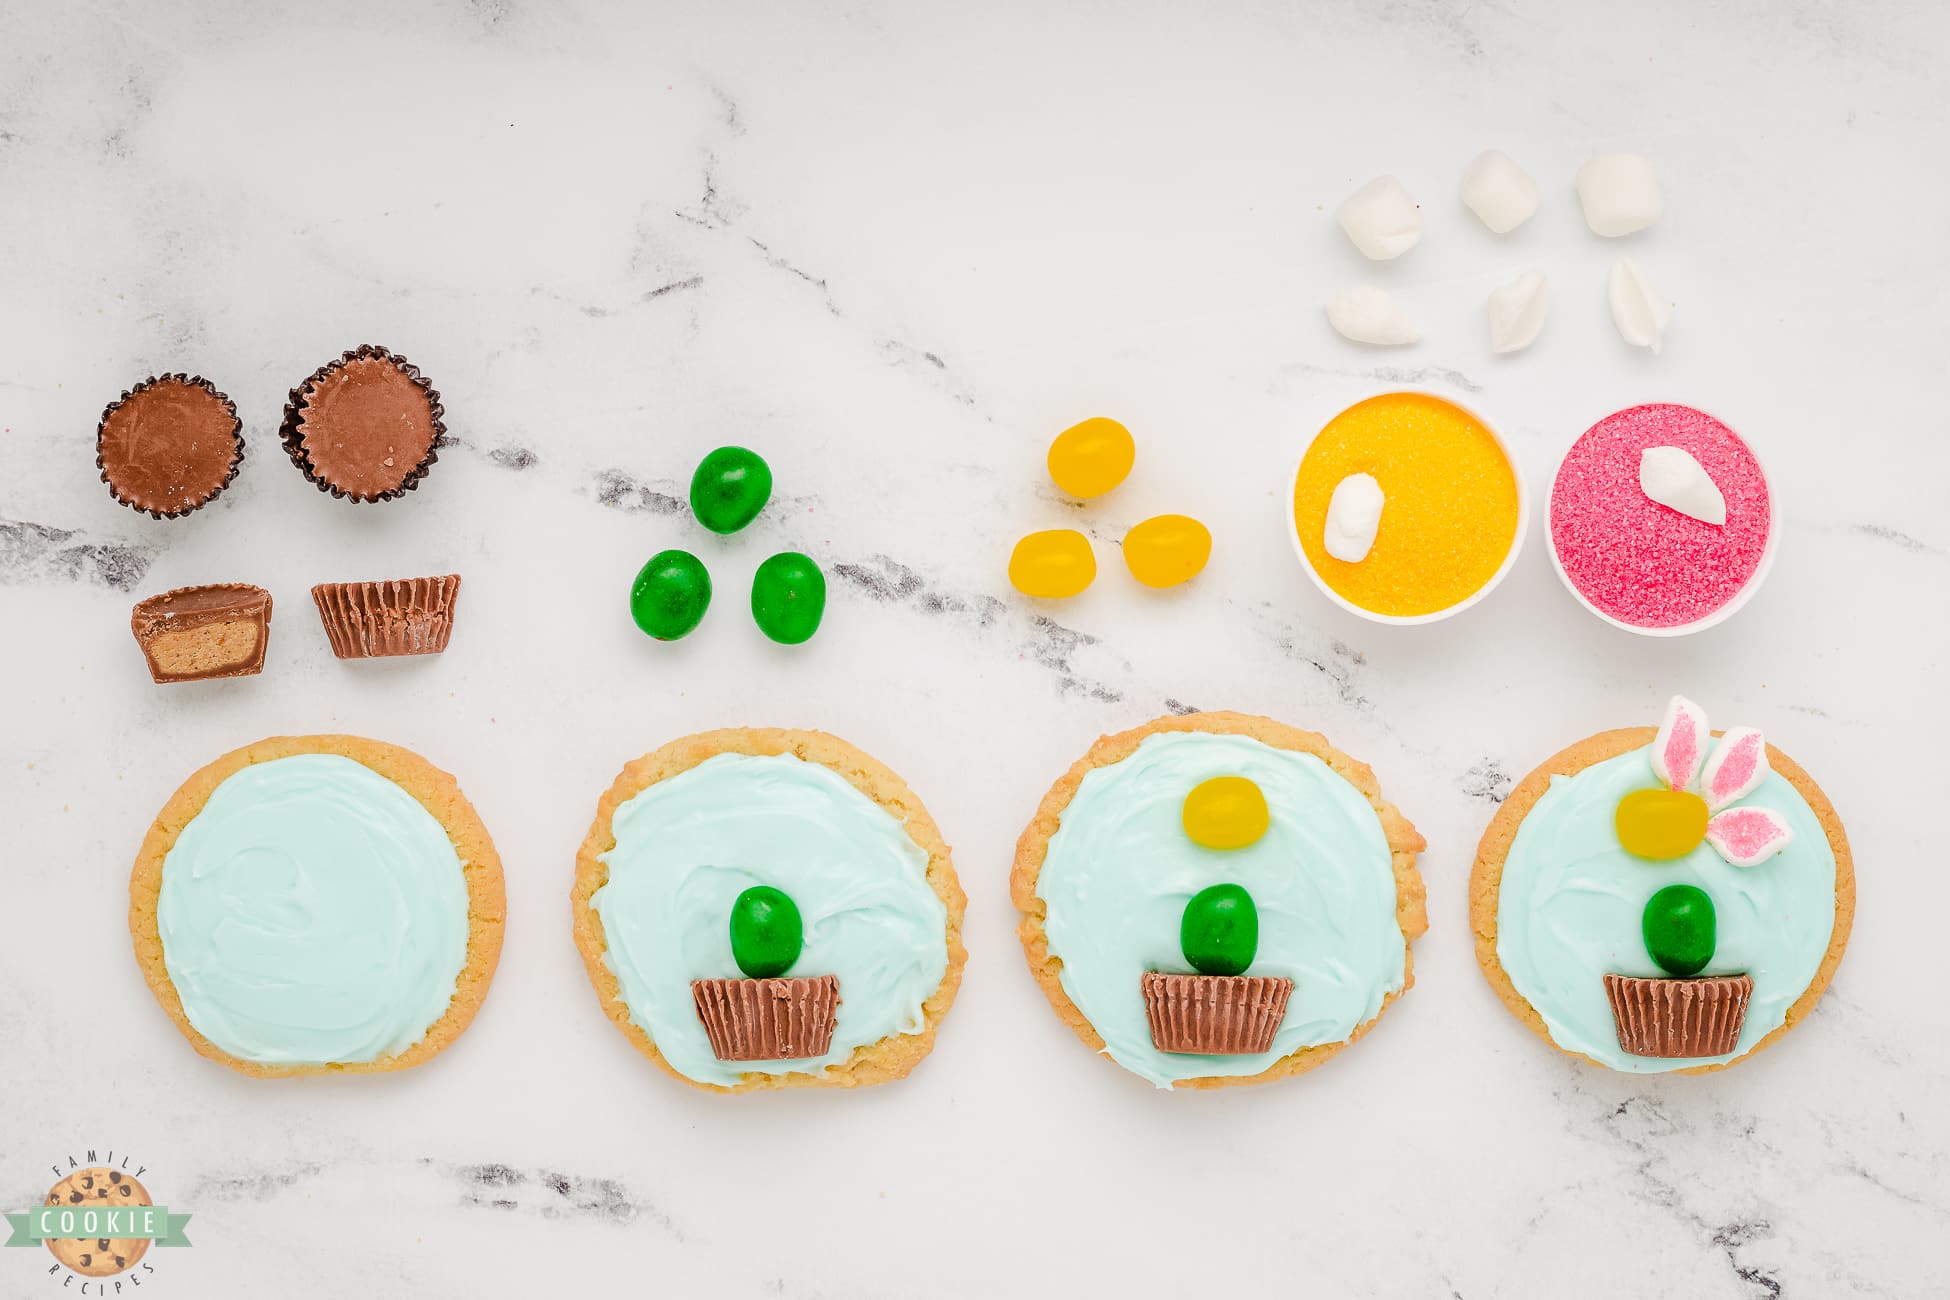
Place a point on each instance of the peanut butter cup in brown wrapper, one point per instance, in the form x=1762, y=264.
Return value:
x=366, y=427
x=1214, y=1015
x=403, y=616
x=169, y=445
x=769, y=1019
x=1679, y=1017
x=193, y=634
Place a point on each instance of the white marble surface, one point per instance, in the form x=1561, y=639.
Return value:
x=897, y=247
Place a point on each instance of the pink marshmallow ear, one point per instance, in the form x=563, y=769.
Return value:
x=1737, y=767
x=1680, y=746
x=1747, y=837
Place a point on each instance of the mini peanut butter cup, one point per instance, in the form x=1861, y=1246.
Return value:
x=768, y=1019
x=193, y=634
x=366, y=427
x=169, y=445
x=404, y=616
x=1679, y=1017
x=1214, y=1015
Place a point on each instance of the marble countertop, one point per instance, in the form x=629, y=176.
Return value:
x=897, y=247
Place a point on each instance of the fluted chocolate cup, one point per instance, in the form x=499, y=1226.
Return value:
x=769, y=1019
x=404, y=616
x=1679, y=1017
x=1214, y=1015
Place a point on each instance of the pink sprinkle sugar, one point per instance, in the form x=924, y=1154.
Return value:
x=1638, y=561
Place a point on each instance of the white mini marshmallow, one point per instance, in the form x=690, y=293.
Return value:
x=1353, y=518
x=1620, y=194
x=1503, y=194
x=1381, y=219
x=1370, y=315
x=1672, y=477
x=1637, y=308
x=1517, y=312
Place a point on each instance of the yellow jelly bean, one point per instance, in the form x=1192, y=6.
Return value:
x=1089, y=459
x=1052, y=564
x=1226, y=812
x=1660, y=824
x=1166, y=550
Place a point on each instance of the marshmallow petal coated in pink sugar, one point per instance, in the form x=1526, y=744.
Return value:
x=1680, y=747
x=1737, y=767
x=1747, y=837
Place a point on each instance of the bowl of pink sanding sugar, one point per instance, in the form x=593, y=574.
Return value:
x=1651, y=568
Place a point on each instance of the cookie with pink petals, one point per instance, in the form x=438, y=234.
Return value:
x=1665, y=898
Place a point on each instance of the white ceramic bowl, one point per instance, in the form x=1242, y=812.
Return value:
x=1718, y=616
x=1410, y=620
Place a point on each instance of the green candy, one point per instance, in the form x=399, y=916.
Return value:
x=729, y=489
x=1679, y=929
x=670, y=595
x=1220, y=931
x=788, y=597
x=766, y=933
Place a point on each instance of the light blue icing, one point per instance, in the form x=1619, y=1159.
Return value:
x=686, y=847
x=1571, y=900
x=313, y=912
x=1120, y=869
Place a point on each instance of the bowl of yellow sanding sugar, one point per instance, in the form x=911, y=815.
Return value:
x=1407, y=508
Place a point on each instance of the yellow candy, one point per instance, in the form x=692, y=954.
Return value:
x=1660, y=824
x=1089, y=459
x=1052, y=564
x=1166, y=550
x=1226, y=812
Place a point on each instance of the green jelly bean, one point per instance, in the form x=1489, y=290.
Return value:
x=788, y=597
x=1220, y=930
x=1679, y=929
x=729, y=489
x=766, y=932
x=670, y=595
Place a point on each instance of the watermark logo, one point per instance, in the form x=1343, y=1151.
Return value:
x=99, y=1222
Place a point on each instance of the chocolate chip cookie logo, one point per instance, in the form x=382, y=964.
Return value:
x=98, y=1221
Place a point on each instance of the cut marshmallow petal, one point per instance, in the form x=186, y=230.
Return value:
x=1381, y=219
x=1620, y=194
x=1747, y=837
x=1680, y=747
x=1517, y=312
x=1503, y=194
x=1353, y=518
x=1675, y=479
x=1736, y=769
x=1637, y=308
x=1370, y=315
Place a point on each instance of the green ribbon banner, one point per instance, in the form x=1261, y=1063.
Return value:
x=66, y=1222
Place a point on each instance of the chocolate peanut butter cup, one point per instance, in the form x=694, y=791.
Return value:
x=169, y=445
x=768, y=1019
x=366, y=427
x=404, y=616
x=1214, y=1015
x=1679, y=1017
x=193, y=634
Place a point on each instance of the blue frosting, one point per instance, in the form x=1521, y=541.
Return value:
x=313, y=912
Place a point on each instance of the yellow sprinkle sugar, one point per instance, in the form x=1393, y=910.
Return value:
x=1450, y=512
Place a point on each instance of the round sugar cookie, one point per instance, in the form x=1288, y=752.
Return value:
x=765, y=908
x=1568, y=895
x=1134, y=896
x=318, y=905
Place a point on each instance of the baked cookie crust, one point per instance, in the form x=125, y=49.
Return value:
x=889, y=1058
x=1411, y=909
x=1486, y=878
x=435, y=790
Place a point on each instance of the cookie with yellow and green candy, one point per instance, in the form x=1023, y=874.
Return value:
x=1656, y=899
x=1218, y=899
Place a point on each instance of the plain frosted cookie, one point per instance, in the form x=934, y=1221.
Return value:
x=1669, y=899
x=762, y=908
x=1218, y=899
x=318, y=905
